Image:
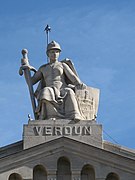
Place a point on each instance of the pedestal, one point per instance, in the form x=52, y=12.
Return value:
x=41, y=131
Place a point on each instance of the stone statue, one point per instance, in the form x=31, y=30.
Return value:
x=60, y=93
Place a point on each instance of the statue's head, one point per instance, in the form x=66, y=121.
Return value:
x=53, y=46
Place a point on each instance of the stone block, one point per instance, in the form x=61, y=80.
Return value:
x=41, y=131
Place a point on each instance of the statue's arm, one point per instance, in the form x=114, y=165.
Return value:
x=71, y=75
x=73, y=78
x=36, y=77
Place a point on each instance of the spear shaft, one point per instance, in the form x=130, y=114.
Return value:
x=47, y=29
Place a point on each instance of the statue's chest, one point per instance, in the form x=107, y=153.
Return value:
x=53, y=71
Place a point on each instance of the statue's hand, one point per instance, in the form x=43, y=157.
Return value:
x=81, y=86
x=25, y=63
x=24, y=67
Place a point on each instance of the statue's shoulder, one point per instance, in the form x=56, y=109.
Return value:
x=43, y=66
x=70, y=64
x=67, y=61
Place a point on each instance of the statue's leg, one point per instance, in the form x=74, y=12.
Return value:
x=42, y=113
x=48, y=110
x=71, y=106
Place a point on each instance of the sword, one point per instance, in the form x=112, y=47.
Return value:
x=25, y=69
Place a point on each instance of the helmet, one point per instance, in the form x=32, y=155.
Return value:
x=53, y=45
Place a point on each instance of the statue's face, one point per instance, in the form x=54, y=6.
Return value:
x=53, y=55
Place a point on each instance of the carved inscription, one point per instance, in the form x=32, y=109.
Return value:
x=62, y=130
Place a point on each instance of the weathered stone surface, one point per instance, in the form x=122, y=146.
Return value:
x=57, y=148
x=39, y=131
x=79, y=154
x=88, y=100
x=60, y=92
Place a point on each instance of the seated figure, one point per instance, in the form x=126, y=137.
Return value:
x=56, y=90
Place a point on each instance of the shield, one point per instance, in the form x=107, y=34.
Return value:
x=88, y=100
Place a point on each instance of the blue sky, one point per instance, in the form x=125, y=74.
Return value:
x=99, y=37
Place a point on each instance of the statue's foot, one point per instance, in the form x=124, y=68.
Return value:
x=78, y=117
x=41, y=117
x=57, y=116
